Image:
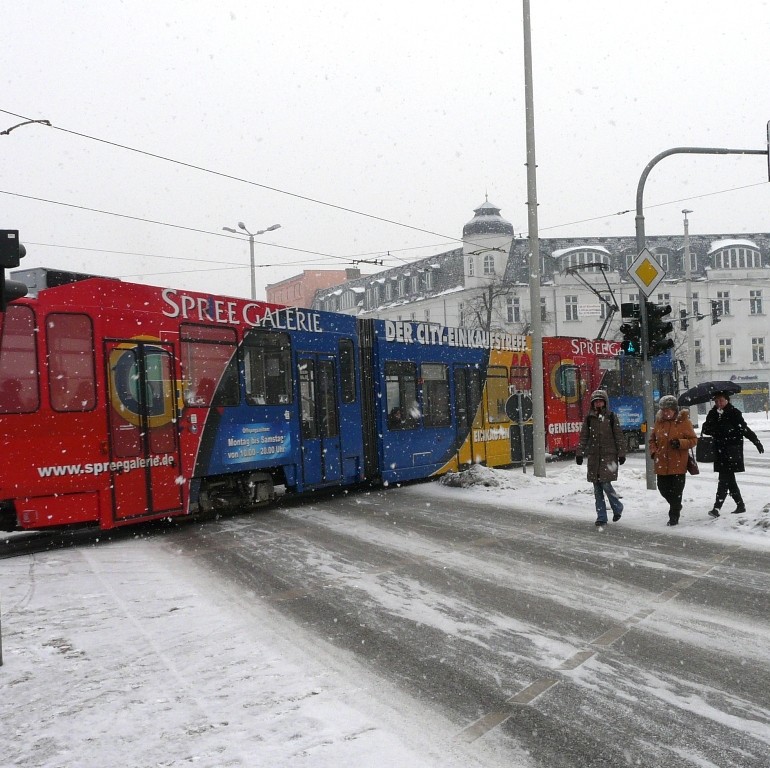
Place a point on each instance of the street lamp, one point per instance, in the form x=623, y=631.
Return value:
x=251, y=235
x=690, y=313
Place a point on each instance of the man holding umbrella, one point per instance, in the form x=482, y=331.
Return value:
x=725, y=424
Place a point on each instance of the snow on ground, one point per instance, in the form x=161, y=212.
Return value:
x=124, y=654
x=127, y=654
x=565, y=492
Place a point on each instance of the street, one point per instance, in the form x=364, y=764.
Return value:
x=623, y=647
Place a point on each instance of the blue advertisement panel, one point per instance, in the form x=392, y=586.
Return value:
x=249, y=443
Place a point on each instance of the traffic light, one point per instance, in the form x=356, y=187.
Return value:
x=658, y=329
x=11, y=252
x=683, y=319
x=632, y=339
x=716, y=312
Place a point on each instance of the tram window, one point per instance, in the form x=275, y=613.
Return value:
x=267, y=361
x=71, y=378
x=18, y=362
x=209, y=365
x=327, y=390
x=307, y=401
x=497, y=393
x=347, y=371
x=401, y=395
x=435, y=395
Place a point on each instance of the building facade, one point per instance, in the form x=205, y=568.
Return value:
x=486, y=284
x=298, y=291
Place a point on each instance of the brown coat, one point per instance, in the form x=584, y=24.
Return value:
x=602, y=443
x=668, y=460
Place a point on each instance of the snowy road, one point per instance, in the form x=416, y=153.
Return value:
x=420, y=627
x=627, y=647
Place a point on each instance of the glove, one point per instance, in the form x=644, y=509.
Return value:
x=578, y=460
x=674, y=443
x=622, y=460
x=760, y=448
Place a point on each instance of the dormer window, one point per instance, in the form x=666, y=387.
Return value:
x=588, y=261
x=737, y=258
x=489, y=264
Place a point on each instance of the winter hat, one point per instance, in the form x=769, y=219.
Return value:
x=599, y=394
x=668, y=401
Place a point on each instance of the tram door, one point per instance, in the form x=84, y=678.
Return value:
x=468, y=415
x=143, y=439
x=319, y=419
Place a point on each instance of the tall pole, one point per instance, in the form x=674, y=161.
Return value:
x=253, y=268
x=538, y=403
x=690, y=314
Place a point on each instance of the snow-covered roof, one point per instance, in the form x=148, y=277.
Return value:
x=718, y=245
x=358, y=289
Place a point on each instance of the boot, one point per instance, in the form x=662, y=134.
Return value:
x=740, y=509
x=714, y=512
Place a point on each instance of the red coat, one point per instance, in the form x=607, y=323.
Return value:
x=668, y=460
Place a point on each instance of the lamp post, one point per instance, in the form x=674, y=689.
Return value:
x=690, y=313
x=251, y=235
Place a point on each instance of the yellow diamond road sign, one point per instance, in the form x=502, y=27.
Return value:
x=646, y=272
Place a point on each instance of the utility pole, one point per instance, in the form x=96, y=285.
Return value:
x=690, y=315
x=538, y=396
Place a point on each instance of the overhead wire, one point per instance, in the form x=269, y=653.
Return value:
x=309, y=199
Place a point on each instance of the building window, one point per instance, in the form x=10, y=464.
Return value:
x=471, y=268
x=543, y=310
x=698, y=353
x=755, y=302
x=662, y=259
x=725, y=350
x=737, y=258
x=427, y=279
x=603, y=311
x=389, y=290
x=693, y=261
x=489, y=264
x=664, y=298
x=514, y=309
x=723, y=303
x=758, y=349
x=415, y=283
x=695, y=305
x=571, y=307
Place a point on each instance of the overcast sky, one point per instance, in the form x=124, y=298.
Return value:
x=407, y=111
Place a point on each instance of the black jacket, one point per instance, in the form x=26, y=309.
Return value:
x=728, y=431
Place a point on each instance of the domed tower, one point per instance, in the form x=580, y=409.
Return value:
x=487, y=239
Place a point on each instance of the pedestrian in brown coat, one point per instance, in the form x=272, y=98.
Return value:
x=670, y=441
x=601, y=441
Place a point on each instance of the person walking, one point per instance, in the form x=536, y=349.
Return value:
x=671, y=439
x=725, y=424
x=602, y=443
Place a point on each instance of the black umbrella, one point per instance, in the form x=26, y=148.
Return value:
x=705, y=391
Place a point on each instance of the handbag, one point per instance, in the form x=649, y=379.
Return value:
x=692, y=464
x=704, y=451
